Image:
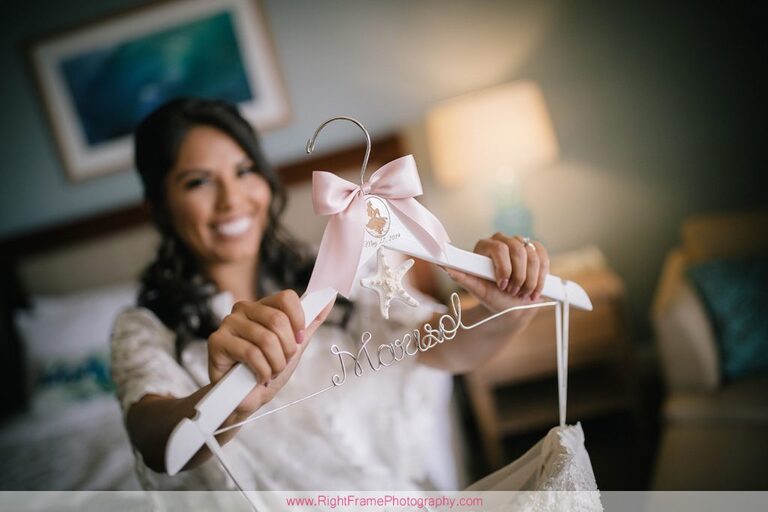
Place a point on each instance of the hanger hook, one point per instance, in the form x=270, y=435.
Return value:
x=311, y=141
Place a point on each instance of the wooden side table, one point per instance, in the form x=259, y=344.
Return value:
x=516, y=391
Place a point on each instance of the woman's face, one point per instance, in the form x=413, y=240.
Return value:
x=217, y=200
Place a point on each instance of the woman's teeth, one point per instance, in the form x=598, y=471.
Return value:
x=235, y=227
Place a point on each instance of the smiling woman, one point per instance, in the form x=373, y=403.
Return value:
x=224, y=289
x=218, y=200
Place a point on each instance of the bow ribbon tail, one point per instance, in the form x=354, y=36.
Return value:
x=340, y=250
x=422, y=223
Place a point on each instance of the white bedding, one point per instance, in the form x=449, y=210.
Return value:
x=77, y=445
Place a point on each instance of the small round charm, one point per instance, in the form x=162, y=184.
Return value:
x=377, y=216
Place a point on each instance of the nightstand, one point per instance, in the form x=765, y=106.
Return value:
x=516, y=391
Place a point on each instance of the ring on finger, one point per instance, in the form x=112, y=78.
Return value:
x=527, y=242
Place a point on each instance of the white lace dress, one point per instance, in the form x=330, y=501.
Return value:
x=555, y=475
x=375, y=432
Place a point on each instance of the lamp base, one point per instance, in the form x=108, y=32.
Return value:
x=513, y=218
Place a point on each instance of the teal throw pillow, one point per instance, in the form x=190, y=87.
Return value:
x=736, y=294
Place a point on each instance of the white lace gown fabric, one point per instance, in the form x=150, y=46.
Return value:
x=554, y=475
x=375, y=432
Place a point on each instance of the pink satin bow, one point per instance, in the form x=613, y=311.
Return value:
x=339, y=256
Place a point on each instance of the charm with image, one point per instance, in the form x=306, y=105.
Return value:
x=377, y=220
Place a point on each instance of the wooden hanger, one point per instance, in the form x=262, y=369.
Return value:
x=191, y=434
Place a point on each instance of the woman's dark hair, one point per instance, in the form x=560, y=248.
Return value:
x=172, y=286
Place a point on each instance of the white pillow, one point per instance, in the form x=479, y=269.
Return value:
x=69, y=327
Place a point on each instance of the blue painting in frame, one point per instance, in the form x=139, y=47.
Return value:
x=114, y=88
x=98, y=81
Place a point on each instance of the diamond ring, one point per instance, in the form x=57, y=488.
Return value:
x=527, y=242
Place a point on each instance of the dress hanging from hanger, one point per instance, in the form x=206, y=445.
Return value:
x=556, y=473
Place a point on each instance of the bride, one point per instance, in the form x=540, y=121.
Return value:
x=224, y=288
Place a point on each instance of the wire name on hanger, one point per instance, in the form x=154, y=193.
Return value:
x=412, y=342
x=447, y=327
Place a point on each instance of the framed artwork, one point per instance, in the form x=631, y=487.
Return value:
x=99, y=80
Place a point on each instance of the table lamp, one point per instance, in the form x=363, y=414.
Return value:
x=492, y=136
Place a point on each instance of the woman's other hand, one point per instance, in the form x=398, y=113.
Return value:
x=520, y=269
x=269, y=337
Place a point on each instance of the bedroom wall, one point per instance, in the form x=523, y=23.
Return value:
x=655, y=107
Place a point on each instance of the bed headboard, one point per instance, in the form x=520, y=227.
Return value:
x=115, y=246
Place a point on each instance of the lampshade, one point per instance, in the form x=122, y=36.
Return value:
x=498, y=129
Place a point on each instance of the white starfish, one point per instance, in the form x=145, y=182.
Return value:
x=388, y=283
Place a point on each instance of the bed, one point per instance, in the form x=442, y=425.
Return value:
x=61, y=427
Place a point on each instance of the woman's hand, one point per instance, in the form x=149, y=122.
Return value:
x=520, y=269
x=269, y=337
